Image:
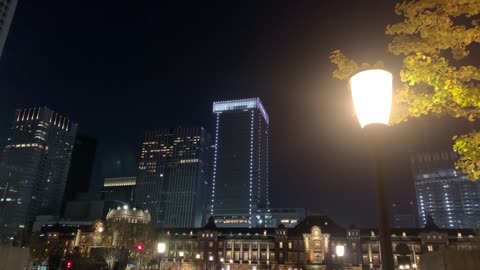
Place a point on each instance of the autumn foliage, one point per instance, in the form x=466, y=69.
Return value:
x=434, y=39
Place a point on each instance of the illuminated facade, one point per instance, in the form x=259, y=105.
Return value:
x=7, y=10
x=119, y=189
x=443, y=192
x=311, y=244
x=34, y=167
x=240, y=184
x=173, y=174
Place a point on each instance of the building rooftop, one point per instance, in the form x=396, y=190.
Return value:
x=240, y=104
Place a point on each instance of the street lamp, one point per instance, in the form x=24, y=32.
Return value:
x=372, y=99
x=340, y=251
x=181, y=254
x=160, y=249
x=210, y=258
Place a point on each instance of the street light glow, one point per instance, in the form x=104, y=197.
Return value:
x=161, y=247
x=340, y=250
x=372, y=96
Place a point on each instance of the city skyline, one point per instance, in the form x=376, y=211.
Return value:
x=171, y=68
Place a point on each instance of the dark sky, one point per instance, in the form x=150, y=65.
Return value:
x=120, y=67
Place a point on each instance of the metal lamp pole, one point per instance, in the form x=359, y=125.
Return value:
x=160, y=249
x=372, y=98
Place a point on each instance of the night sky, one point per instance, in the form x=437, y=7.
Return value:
x=121, y=67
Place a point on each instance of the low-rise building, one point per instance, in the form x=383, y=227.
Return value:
x=312, y=244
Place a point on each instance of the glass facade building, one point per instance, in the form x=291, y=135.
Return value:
x=7, y=10
x=173, y=173
x=443, y=192
x=240, y=180
x=34, y=167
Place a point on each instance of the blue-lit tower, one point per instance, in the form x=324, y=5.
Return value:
x=443, y=192
x=240, y=178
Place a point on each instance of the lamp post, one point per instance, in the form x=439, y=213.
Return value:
x=210, y=258
x=160, y=249
x=197, y=257
x=372, y=98
x=181, y=254
x=340, y=251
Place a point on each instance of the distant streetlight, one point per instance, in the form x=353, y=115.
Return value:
x=340, y=251
x=372, y=99
x=161, y=246
x=181, y=254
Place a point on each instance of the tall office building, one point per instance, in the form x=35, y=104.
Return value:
x=7, y=10
x=443, y=192
x=173, y=174
x=34, y=167
x=119, y=189
x=240, y=184
x=80, y=173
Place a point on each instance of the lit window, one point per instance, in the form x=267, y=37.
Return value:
x=280, y=245
x=459, y=235
x=430, y=248
x=289, y=245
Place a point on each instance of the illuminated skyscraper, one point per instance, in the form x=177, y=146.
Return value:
x=240, y=184
x=7, y=10
x=172, y=181
x=443, y=192
x=34, y=167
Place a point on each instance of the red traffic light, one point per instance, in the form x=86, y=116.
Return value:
x=69, y=265
x=140, y=247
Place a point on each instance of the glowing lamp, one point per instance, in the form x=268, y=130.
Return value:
x=69, y=264
x=197, y=256
x=210, y=258
x=140, y=247
x=161, y=247
x=340, y=250
x=372, y=96
x=181, y=253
